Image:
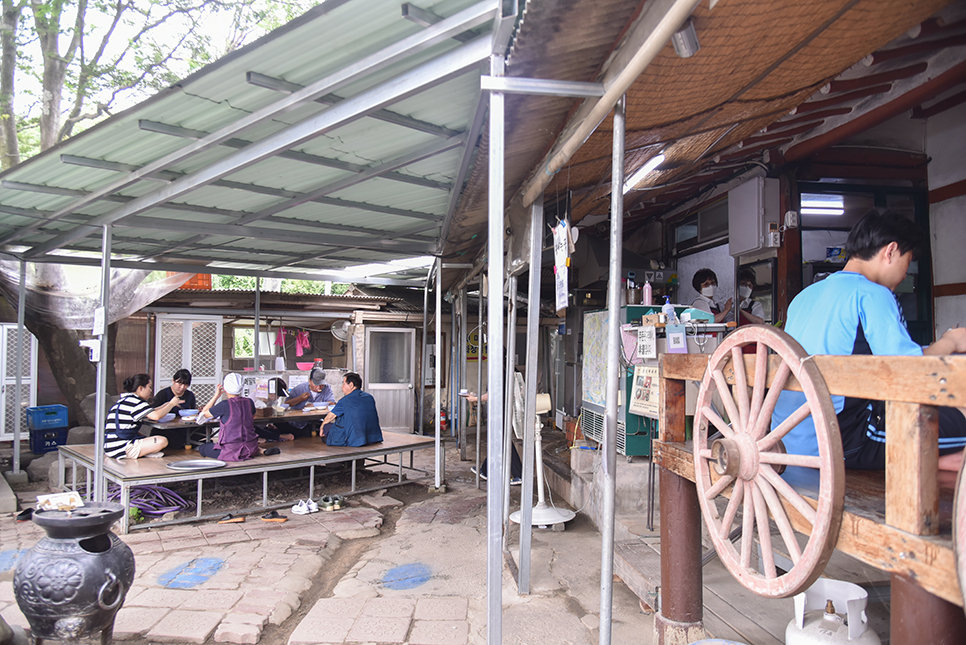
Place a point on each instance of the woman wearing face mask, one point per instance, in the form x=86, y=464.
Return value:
x=705, y=282
x=750, y=311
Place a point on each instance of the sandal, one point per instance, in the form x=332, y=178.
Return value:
x=274, y=517
x=231, y=519
x=25, y=515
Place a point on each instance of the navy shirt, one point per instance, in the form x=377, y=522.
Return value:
x=356, y=421
x=166, y=395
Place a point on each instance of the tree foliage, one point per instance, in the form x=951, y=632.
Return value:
x=65, y=64
x=247, y=283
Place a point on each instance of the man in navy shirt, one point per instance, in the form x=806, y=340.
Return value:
x=353, y=421
x=852, y=312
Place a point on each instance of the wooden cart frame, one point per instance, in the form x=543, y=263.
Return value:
x=891, y=520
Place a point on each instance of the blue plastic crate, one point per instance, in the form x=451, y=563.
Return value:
x=47, y=416
x=47, y=439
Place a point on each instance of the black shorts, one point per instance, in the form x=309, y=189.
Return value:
x=862, y=452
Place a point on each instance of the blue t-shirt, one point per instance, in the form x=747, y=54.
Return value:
x=324, y=395
x=844, y=314
x=356, y=421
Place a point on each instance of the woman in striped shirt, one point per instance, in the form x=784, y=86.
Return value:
x=121, y=438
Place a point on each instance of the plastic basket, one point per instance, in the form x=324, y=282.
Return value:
x=47, y=439
x=47, y=416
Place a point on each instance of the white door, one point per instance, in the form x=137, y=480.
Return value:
x=390, y=370
x=194, y=344
x=12, y=403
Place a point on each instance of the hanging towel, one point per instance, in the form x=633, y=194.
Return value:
x=280, y=337
x=302, y=343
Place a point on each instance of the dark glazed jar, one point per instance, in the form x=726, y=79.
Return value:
x=73, y=581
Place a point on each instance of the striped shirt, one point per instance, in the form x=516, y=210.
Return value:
x=123, y=422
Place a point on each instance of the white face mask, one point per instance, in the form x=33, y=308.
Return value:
x=708, y=292
x=744, y=292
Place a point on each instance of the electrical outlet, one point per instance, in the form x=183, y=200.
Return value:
x=774, y=239
x=791, y=219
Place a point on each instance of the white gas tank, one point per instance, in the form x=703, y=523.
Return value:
x=831, y=611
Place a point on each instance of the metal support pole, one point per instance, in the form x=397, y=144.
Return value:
x=530, y=413
x=21, y=337
x=454, y=376
x=100, y=414
x=438, y=379
x=479, y=379
x=679, y=617
x=613, y=375
x=511, y=361
x=147, y=344
x=494, y=425
x=461, y=406
x=422, y=372
x=258, y=318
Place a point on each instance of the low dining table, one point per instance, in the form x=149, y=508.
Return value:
x=193, y=426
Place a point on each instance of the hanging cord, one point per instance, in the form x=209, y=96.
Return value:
x=151, y=499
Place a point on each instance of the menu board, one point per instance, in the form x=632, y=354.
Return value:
x=645, y=392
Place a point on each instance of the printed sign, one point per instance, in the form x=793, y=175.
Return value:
x=647, y=342
x=646, y=391
x=561, y=260
x=473, y=346
x=677, y=342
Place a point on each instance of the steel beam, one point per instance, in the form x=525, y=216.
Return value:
x=541, y=87
x=426, y=18
x=473, y=135
x=458, y=23
x=18, y=381
x=438, y=377
x=100, y=408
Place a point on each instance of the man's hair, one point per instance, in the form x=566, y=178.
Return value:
x=747, y=275
x=354, y=380
x=182, y=376
x=876, y=230
x=700, y=277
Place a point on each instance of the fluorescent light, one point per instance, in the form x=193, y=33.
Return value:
x=820, y=200
x=636, y=178
x=823, y=211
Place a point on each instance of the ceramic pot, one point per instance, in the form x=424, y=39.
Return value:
x=73, y=581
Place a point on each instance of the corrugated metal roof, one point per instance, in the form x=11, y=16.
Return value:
x=374, y=188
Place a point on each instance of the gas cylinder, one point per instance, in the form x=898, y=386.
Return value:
x=828, y=625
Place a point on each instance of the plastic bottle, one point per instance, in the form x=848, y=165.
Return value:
x=647, y=297
x=668, y=310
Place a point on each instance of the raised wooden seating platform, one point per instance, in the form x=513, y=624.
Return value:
x=305, y=452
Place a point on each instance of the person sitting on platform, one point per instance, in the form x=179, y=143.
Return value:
x=315, y=391
x=353, y=421
x=275, y=431
x=180, y=383
x=236, y=440
x=854, y=312
x=121, y=437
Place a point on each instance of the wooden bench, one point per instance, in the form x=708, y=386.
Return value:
x=898, y=521
x=305, y=452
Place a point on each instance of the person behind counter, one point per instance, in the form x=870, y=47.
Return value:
x=750, y=312
x=315, y=391
x=236, y=440
x=353, y=421
x=705, y=282
x=854, y=311
x=121, y=437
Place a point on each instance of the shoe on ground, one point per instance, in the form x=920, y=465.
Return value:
x=25, y=515
x=515, y=481
x=302, y=508
x=274, y=516
x=311, y=506
x=473, y=470
x=231, y=519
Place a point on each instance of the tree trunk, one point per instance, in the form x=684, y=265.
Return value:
x=9, y=144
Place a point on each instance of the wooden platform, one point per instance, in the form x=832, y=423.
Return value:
x=306, y=452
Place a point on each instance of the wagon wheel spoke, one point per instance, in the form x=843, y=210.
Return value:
x=785, y=490
x=719, y=486
x=786, y=426
x=781, y=519
x=764, y=534
x=768, y=405
x=747, y=531
x=705, y=453
x=728, y=399
x=718, y=422
x=785, y=459
x=761, y=379
x=732, y=509
x=740, y=392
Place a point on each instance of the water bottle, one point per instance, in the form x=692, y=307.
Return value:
x=668, y=310
x=646, y=296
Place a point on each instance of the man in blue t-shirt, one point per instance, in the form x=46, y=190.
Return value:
x=852, y=312
x=353, y=421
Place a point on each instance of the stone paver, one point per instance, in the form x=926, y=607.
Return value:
x=328, y=621
x=131, y=622
x=389, y=607
x=213, y=600
x=441, y=608
x=238, y=633
x=439, y=632
x=185, y=626
x=376, y=629
x=161, y=597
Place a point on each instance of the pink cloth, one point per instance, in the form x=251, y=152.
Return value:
x=302, y=343
x=280, y=338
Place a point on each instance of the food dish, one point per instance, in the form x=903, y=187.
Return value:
x=197, y=464
x=169, y=417
x=188, y=413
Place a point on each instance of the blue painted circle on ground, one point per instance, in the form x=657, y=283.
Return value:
x=407, y=576
x=9, y=558
x=191, y=574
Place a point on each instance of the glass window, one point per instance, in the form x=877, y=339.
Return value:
x=243, y=345
x=389, y=355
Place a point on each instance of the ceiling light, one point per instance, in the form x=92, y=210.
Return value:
x=685, y=40
x=636, y=178
x=822, y=204
x=823, y=211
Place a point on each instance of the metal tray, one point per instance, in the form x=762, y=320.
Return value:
x=197, y=464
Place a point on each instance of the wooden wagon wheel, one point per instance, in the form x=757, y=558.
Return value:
x=742, y=464
x=959, y=530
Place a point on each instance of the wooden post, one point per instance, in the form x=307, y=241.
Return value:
x=912, y=460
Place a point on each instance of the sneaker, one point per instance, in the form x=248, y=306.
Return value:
x=301, y=508
x=515, y=481
x=312, y=506
x=473, y=470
